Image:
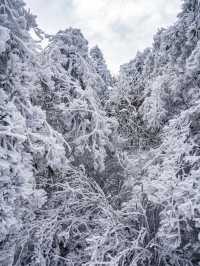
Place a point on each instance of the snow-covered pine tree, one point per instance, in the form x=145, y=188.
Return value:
x=70, y=97
x=23, y=130
x=132, y=89
x=166, y=176
x=100, y=65
x=70, y=93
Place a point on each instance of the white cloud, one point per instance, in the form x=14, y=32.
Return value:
x=119, y=27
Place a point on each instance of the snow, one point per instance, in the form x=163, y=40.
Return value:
x=4, y=37
x=96, y=170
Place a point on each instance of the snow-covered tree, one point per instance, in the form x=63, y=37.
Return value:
x=68, y=91
x=18, y=196
x=100, y=65
x=92, y=174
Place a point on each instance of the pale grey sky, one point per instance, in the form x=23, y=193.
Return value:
x=119, y=27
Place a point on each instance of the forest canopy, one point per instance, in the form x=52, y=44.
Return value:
x=95, y=169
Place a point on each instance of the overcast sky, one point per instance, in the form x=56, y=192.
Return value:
x=119, y=27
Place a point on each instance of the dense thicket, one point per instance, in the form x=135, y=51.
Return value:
x=157, y=106
x=95, y=170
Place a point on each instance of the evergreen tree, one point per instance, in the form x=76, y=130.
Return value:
x=100, y=65
x=92, y=174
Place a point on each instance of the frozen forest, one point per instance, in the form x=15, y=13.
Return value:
x=97, y=170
